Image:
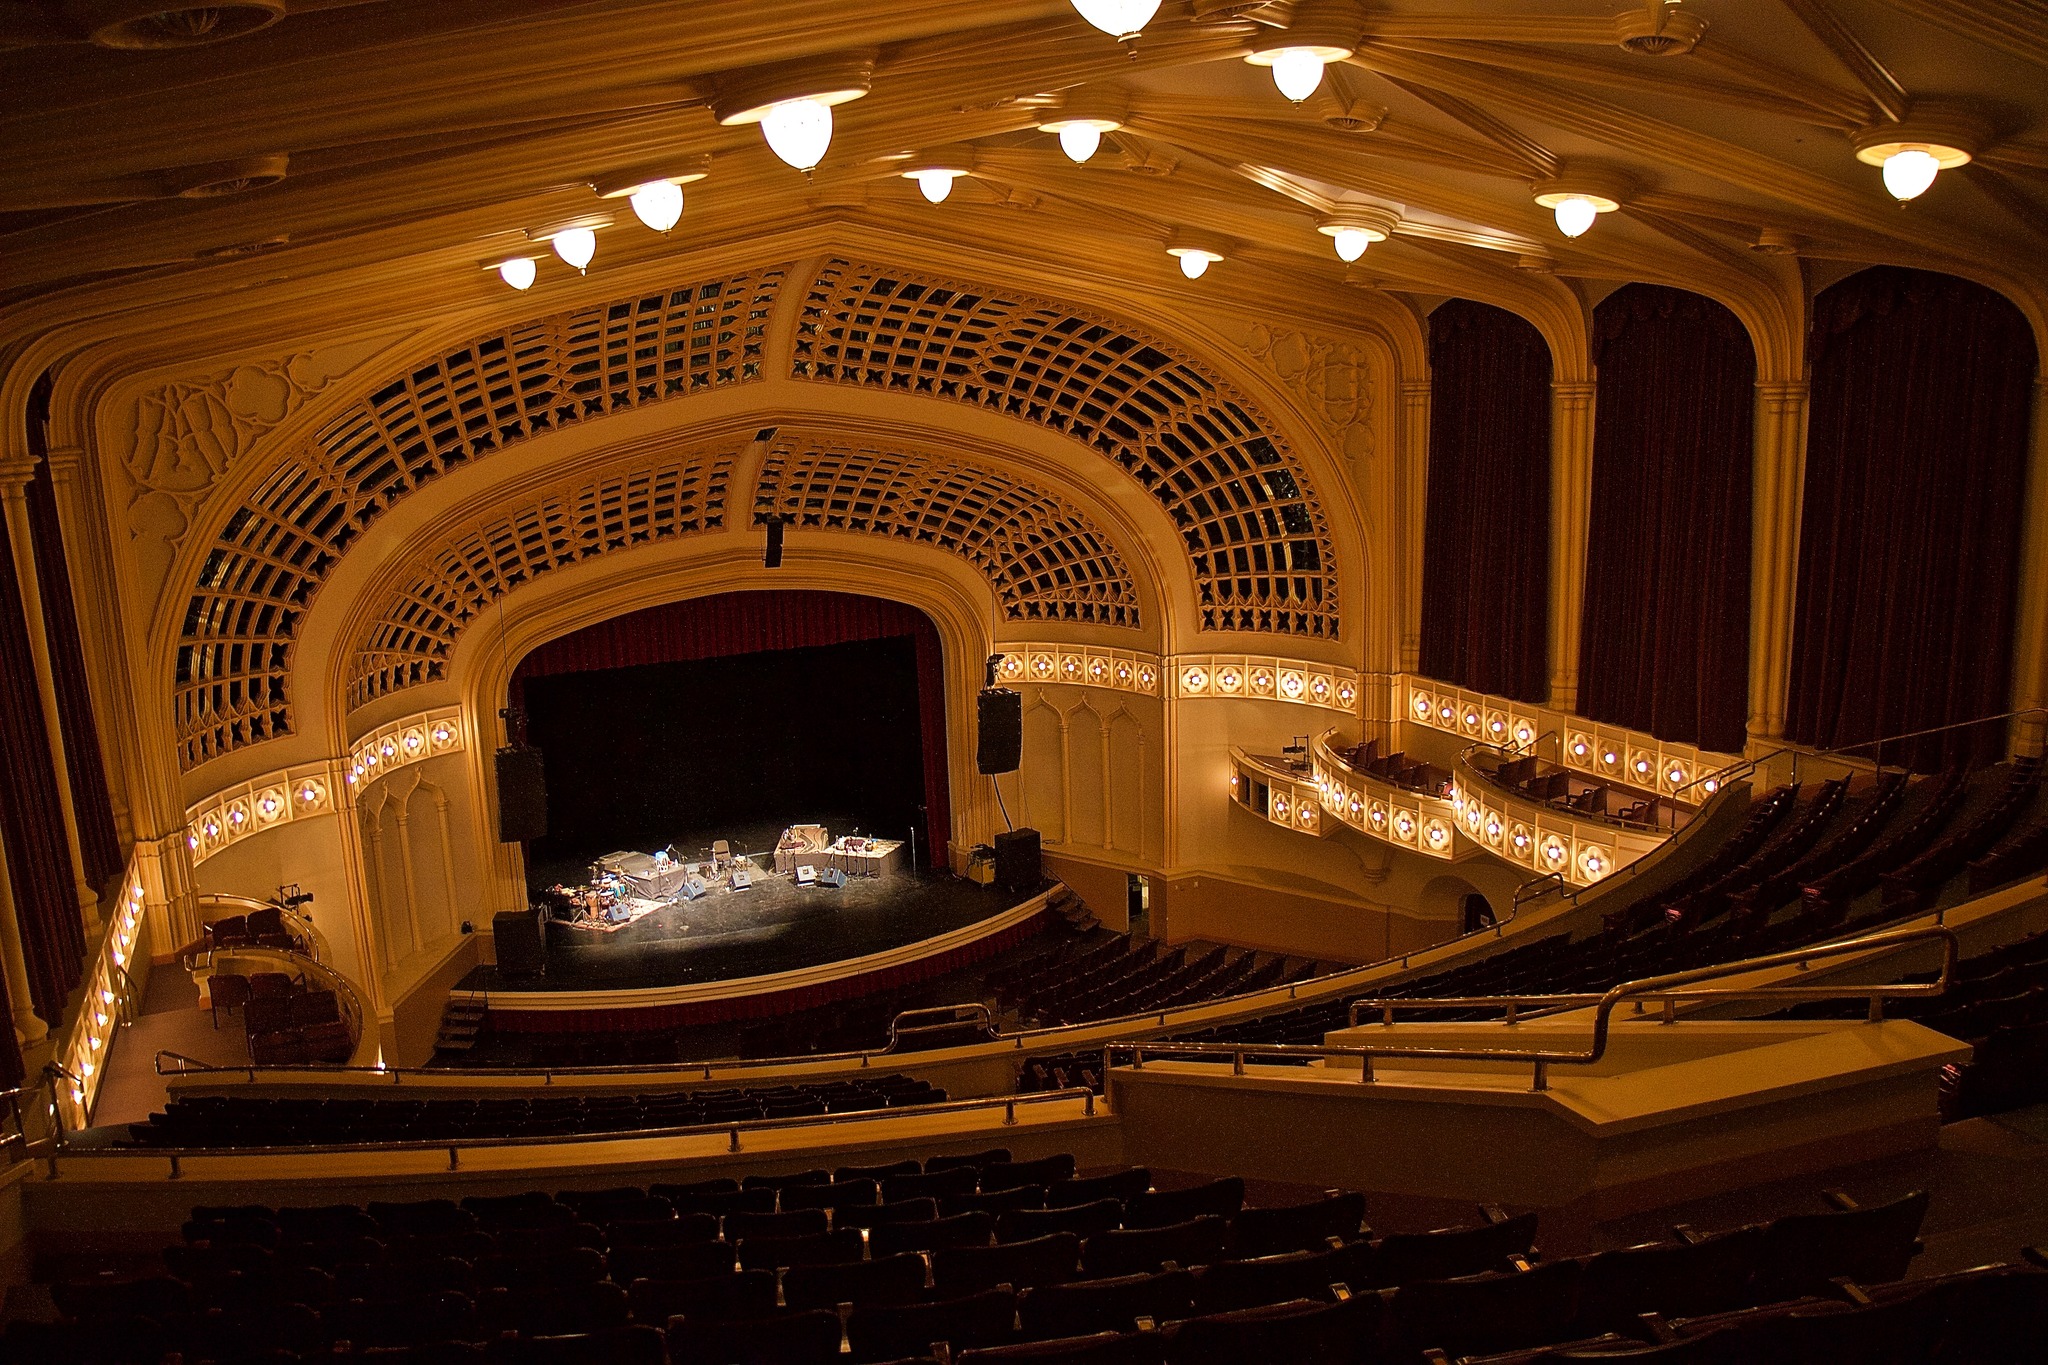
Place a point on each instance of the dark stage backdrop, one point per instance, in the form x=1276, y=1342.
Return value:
x=1486, y=533
x=1909, y=550
x=1666, y=641
x=742, y=708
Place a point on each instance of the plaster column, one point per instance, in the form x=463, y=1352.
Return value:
x=1571, y=503
x=74, y=510
x=14, y=477
x=28, y=1026
x=1779, y=480
x=2030, y=639
x=1414, y=514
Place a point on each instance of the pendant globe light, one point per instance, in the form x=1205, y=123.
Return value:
x=1083, y=116
x=1323, y=31
x=1353, y=230
x=1196, y=252
x=1932, y=138
x=793, y=104
x=655, y=192
x=1578, y=195
x=936, y=170
x=517, y=271
x=575, y=240
x=1122, y=20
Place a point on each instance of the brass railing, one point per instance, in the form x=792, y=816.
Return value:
x=734, y=1131
x=1800, y=754
x=1667, y=987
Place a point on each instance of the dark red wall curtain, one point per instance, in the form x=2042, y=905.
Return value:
x=1909, y=546
x=1486, y=538
x=98, y=843
x=31, y=820
x=749, y=622
x=1665, y=645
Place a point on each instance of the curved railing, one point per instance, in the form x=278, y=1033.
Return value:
x=1710, y=782
x=273, y=959
x=1668, y=987
x=299, y=926
x=736, y=1130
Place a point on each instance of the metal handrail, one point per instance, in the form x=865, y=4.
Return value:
x=1749, y=765
x=351, y=1003
x=1007, y=1103
x=1648, y=988
x=1464, y=761
x=939, y=1015
x=306, y=931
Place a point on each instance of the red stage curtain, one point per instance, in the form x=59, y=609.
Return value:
x=1909, y=547
x=98, y=843
x=31, y=820
x=1665, y=646
x=749, y=622
x=1486, y=538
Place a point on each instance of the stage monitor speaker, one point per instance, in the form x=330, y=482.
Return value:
x=832, y=877
x=742, y=879
x=806, y=874
x=517, y=935
x=1017, y=860
x=522, y=795
x=693, y=887
x=999, y=717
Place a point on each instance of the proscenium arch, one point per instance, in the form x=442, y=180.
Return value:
x=232, y=662
x=560, y=604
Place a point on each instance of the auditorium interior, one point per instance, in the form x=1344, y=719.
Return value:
x=1130, y=682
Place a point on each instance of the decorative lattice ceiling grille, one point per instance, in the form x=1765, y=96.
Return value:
x=1257, y=540
x=1044, y=558
x=457, y=578
x=234, y=658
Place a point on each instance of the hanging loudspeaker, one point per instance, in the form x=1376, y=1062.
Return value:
x=522, y=795
x=999, y=716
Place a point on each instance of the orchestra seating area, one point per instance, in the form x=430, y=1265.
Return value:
x=204, y=1121
x=981, y=1258
x=1807, y=864
x=1061, y=977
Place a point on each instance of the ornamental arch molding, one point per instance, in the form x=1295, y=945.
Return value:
x=1190, y=444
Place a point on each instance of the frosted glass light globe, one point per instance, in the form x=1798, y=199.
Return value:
x=576, y=246
x=1193, y=263
x=935, y=185
x=1120, y=19
x=1575, y=215
x=518, y=272
x=1298, y=71
x=1351, y=243
x=1907, y=174
x=659, y=204
x=1079, y=141
x=798, y=131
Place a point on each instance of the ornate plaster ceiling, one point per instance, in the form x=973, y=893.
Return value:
x=358, y=159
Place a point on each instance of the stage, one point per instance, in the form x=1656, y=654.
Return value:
x=773, y=926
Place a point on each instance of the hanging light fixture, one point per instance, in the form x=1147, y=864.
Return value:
x=1122, y=20
x=1322, y=31
x=1196, y=252
x=655, y=191
x=574, y=240
x=517, y=271
x=1932, y=138
x=1579, y=195
x=937, y=169
x=1354, y=229
x=1083, y=116
x=793, y=104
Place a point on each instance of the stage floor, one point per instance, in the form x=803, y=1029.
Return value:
x=774, y=926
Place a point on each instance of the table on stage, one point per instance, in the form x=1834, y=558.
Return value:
x=864, y=857
x=649, y=878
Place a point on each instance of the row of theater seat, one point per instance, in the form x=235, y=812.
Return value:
x=241, y=1121
x=1457, y=1292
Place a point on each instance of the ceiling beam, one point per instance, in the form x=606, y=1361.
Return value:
x=1859, y=61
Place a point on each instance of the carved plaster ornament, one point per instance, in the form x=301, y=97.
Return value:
x=189, y=433
x=1332, y=378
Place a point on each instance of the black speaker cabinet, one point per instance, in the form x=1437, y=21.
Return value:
x=516, y=934
x=1017, y=860
x=522, y=795
x=999, y=733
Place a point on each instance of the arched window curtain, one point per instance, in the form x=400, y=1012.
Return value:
x=1665, y=646
x=1909, y=545
x=98, y=842
x=1486, y=536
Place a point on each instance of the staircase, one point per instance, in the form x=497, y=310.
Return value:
x=462, y=1021
x=1072, y=909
